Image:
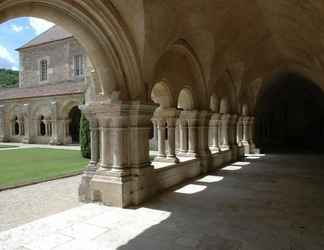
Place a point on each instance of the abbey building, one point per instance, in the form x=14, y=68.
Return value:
x=44, y=108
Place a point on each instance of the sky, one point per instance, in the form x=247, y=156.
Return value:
x=15, y=33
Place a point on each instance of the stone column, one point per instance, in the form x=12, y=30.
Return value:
x=224, y=132
x=251, y=134
x=94, y=144
x=214, y=129
x=203, y=146
x=161, y=135
x=125, y=176
x=2, y=124
x=245, y=140
x=84, y=188
x=171, y=125
x=20, y=122
x=239, y=128
x=104, y=143
x=28, y=131
x=203, y=129
x=54, y=126
x=154, y=141
x=192, y=138
x=232, y=128
x=183, y=134
x=177, y=136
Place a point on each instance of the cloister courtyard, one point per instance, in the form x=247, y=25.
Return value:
x=23, y=165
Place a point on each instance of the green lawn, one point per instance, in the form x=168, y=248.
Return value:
x=24, y=166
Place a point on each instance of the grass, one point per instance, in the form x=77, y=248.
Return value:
x=24, y=166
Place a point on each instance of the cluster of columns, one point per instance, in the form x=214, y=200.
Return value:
x=196, y=134
x=120, y=171
x=165, y=131
x=18, y=126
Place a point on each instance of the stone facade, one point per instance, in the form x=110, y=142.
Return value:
x=39, y=111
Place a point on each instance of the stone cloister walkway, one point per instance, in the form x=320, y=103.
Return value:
x=274, y=202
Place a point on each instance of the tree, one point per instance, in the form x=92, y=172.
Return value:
x=85, y=137
x=8, y=78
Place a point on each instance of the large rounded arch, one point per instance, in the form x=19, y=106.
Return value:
x=66, y=107
x=181, y=67
x=102, y=33
x=161, y=95
x=186, y=100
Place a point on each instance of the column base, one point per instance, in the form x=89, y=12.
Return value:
x=3, y=138
x=166, y=159
x=252, y=148
x=224, y=147
x=215, y=149
x=235, y=153
x=84, y=187
x=55, y=141
x=246, y=146
x=187, y=154
x=26, y=140
x=118, y=190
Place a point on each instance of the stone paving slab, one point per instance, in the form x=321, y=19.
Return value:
x=270, y=203
x=25, y=204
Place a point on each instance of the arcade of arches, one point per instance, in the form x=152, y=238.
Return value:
x=206, y=73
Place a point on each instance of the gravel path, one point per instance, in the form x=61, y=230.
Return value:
x=22, y=205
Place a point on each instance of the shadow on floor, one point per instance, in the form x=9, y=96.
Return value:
x=275, y=202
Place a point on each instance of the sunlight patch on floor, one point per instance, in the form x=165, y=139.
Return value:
x=231, y=168
x=191, y=189
x=211, y=179
x=241, y=163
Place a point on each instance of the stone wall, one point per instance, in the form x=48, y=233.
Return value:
x=60, y=57
x=55, y=109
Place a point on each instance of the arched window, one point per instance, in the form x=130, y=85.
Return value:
x=42, y=126
x=43, y=70
x=16, y=126
x=78, y=65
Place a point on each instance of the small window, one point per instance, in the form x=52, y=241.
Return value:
x=43, y=70
x=78, y=65
x=42, y=127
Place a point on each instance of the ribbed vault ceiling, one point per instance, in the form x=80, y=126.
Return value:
x=264, y=36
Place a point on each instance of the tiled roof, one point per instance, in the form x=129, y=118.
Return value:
x=54, y=33
x=43, y=91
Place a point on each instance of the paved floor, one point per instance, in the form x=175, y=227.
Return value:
x=26, y=204
x=274, y=202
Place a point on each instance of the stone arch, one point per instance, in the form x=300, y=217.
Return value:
x=41, y=110
x=103, y=35
x=225, y=91
x=161, y=95
x=186, y=100
x=181, y=67
x=67, y=107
